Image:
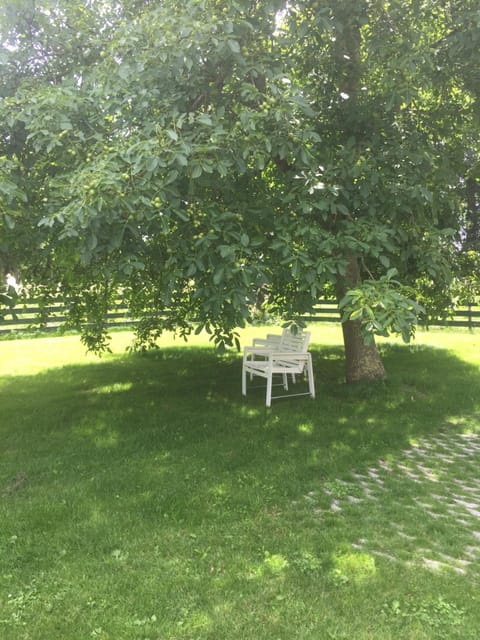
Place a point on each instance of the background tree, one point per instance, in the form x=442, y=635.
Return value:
x=186, y=155
x=392, y=120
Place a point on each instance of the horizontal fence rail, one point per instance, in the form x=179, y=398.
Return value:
x=28, y=316
x=31, y=317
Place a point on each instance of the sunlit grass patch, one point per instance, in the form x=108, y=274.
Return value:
x=353, y=566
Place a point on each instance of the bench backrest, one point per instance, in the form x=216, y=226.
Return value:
x=294, y=342
x=285, y=342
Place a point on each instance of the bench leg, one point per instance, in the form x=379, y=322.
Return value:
x=268, y=400
x=311, y=381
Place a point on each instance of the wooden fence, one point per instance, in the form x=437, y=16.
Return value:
x=463, y=316
x=29, y=317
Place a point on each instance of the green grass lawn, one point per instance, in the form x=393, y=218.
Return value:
x=141, y=497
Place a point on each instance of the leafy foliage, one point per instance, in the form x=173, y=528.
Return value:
x=190, y=154
x=380, y=308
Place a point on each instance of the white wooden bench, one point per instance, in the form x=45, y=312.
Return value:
x=285, y=354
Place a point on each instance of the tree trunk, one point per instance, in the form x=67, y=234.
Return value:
x=362, y=361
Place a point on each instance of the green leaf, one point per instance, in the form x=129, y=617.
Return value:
x=124, y=71
x=152, y=164
x=218, y=275
x=226, y=250
x=244, y=239
x=234, y=46
x=385, y=260
x=356, y=315
x=196, y=171
x=391, y=273
x=204, y=118
x=181, y=159
x=180, y=214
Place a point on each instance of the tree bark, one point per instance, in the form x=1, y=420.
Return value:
x=362, y=361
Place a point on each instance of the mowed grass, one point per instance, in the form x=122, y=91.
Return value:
x=141, y=497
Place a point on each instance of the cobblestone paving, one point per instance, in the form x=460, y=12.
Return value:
x=426, y=499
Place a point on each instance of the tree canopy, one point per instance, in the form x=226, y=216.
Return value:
x=187, y=155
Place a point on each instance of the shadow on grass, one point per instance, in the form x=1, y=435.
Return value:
x=187, y=401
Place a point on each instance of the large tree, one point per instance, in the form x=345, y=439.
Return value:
x=186, y=155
